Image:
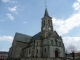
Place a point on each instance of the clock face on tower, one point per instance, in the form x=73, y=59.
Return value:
x=49, y=28
x=43, y=28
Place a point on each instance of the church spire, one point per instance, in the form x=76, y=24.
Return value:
x=47, y=26
x=46, y=12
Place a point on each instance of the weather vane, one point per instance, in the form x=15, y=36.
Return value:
x=45, y=4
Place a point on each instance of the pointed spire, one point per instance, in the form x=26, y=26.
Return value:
x=46, y=12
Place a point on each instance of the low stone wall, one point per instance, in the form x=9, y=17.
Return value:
x=42, y=59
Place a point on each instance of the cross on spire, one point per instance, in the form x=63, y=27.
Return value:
x=46, y=12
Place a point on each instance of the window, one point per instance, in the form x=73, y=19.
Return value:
x=37, y=50
x=44, y=23
x=59, y=43
x=49, y=22
x=11, y=53
x=29, y=51
x=45, y=50
x=52, y=42
x=37, y=43
x=55, y=42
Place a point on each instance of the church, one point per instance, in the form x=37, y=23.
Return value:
x=45, y=45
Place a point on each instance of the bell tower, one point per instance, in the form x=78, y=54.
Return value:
x=47, y=26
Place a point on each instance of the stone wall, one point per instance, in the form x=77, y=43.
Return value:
x=43, y=59
x=18, y=49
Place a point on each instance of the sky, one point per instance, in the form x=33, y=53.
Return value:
x=24, y=16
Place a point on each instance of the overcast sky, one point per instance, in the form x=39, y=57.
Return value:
x=24, y=16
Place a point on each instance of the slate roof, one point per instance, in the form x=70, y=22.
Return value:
x=46, y=12
x=22, y=37
x=36, y=37
x=55, y=34
x=26, y=38
x=3, y=52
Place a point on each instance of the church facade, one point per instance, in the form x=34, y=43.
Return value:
x=45, y=45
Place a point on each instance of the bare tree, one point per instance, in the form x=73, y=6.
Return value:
x=66, y=51
x=72, y=48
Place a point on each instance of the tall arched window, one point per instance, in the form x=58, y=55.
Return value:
x=45, y=50
x=37, y=50
x=44, y=23
x=37, y=43
x=49, y=22
x=51, y=42
x=59, y=43
x=29, y=50
x=55, y=42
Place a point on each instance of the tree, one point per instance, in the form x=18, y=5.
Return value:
x=72, y=48
x=66, y=51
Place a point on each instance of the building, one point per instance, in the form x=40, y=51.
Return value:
x=46, y=44
x=3, y=55
x=76, y=56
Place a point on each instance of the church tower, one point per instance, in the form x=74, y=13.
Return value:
x=47, y=26
x=52, y=44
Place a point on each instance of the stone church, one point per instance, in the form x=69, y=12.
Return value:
x=45, y=45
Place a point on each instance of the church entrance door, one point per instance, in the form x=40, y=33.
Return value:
x=56, y=53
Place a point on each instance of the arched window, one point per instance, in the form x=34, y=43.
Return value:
x=29, y=50
x=44, y=23
x=55, y=42
x=37, y=43
x=37, y=50
x=59, y=43
x=45, y=50
x=49, y=22
x=51, y=42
